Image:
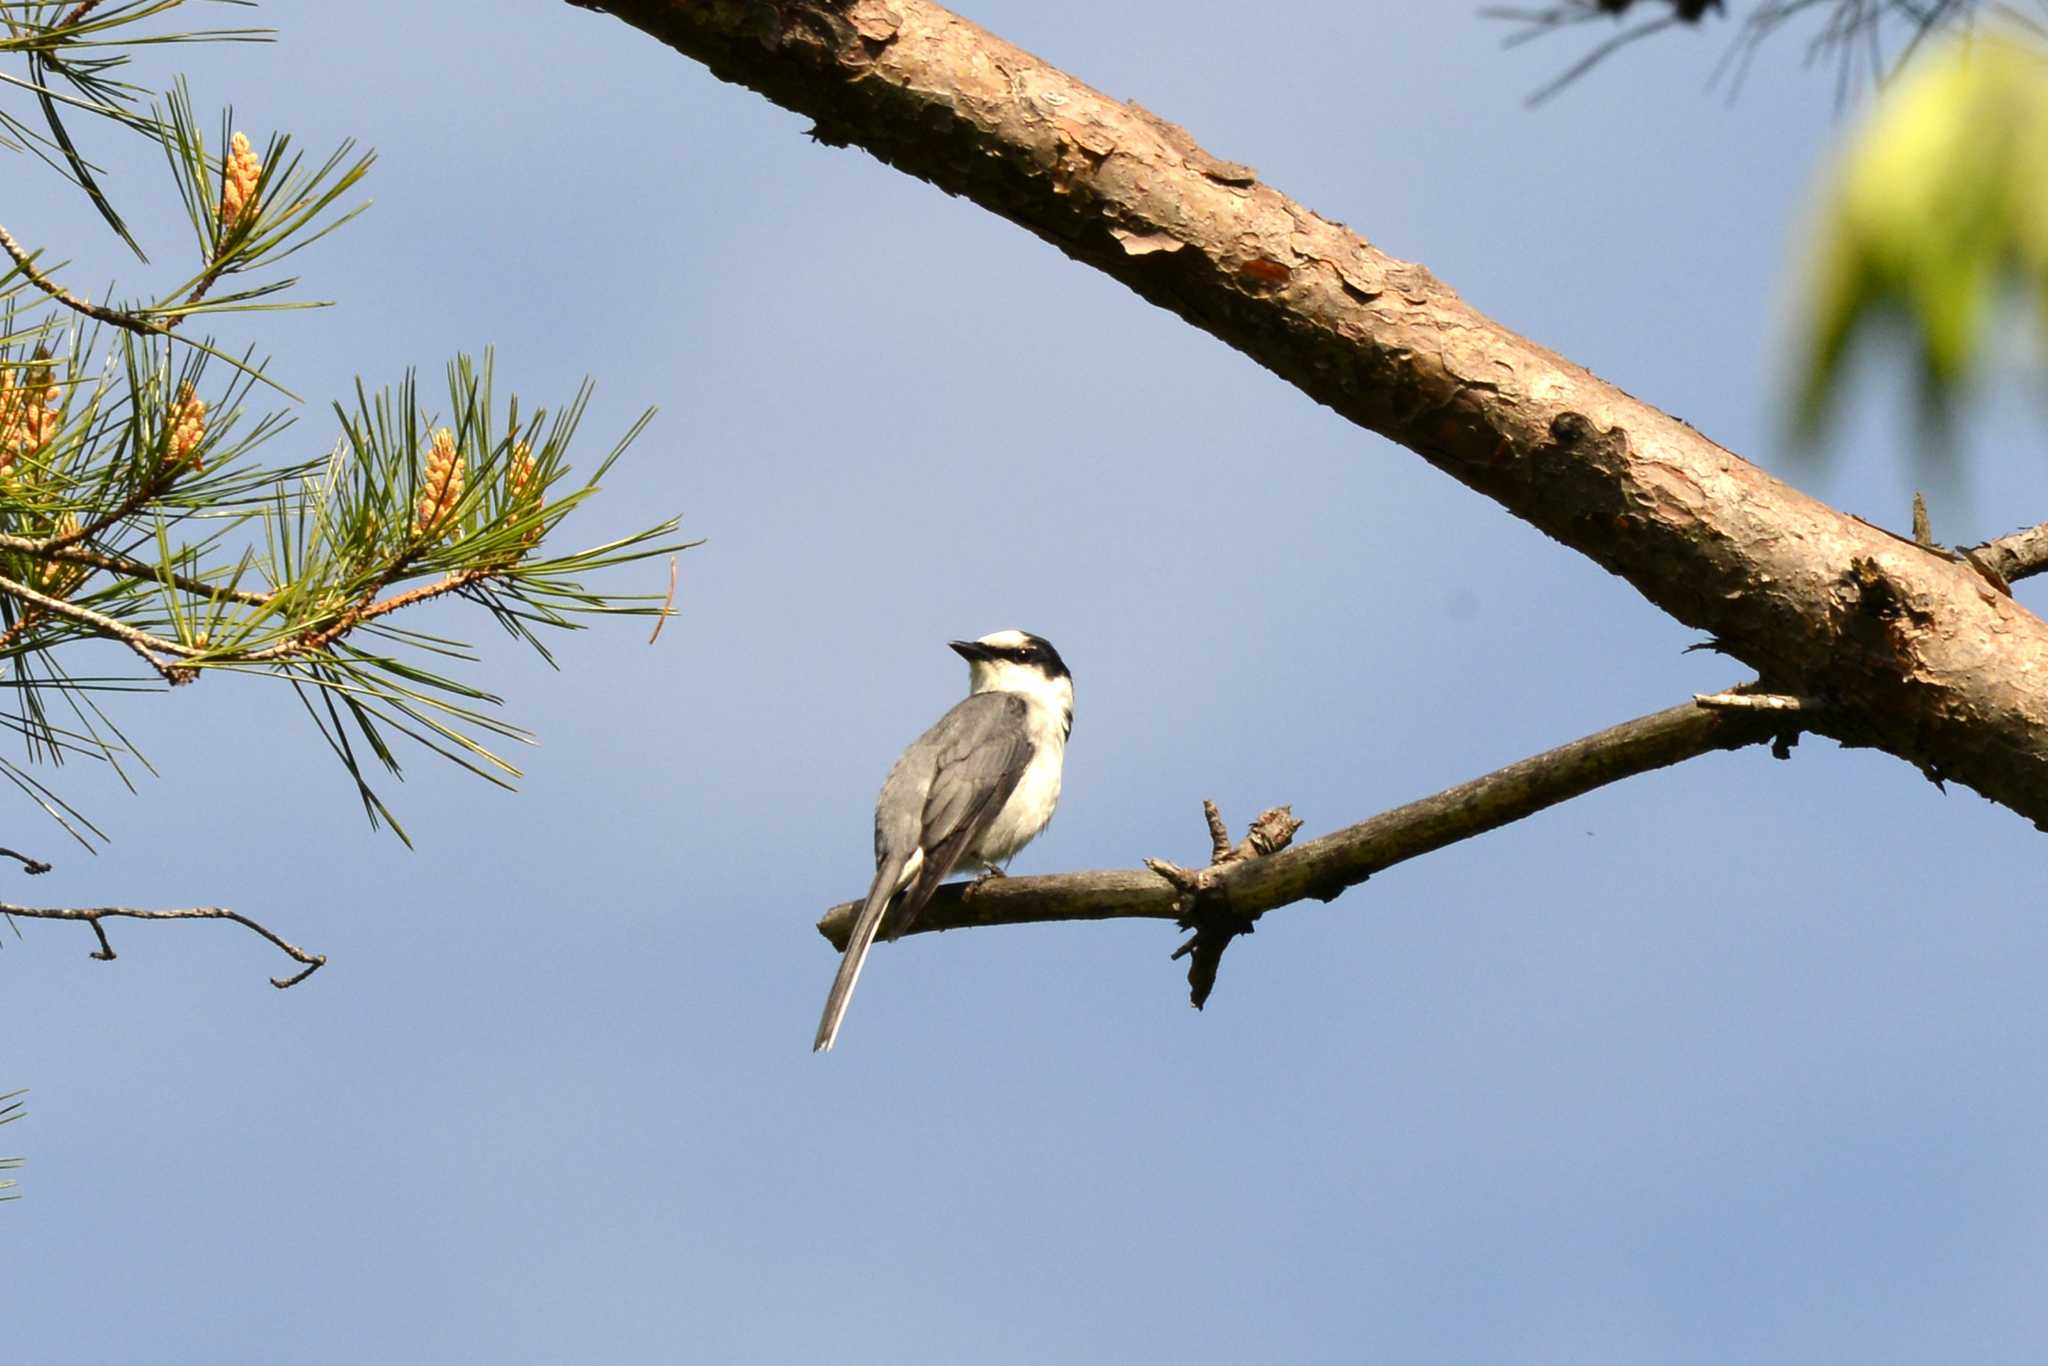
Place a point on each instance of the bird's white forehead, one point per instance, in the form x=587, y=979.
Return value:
x=1004, y=640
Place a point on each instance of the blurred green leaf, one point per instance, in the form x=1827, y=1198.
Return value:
x=1939, y=201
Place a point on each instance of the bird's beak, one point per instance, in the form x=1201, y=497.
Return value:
x=968, y=649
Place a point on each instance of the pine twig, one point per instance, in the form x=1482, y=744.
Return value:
x=114, y=317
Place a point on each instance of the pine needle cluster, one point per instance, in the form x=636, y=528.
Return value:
x=138, y=515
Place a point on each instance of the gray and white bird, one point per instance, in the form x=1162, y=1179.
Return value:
x=968, y=793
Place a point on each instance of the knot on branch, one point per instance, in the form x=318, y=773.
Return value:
x=1202, y=904
x=1569, y=428
x=1750, y=698
x=1870, y=590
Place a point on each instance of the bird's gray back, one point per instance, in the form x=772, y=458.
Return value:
x=955, y=775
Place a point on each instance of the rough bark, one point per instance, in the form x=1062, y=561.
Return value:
x=1911, y=650
x=2018, y=556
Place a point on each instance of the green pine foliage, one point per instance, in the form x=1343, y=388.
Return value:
x=139, y=520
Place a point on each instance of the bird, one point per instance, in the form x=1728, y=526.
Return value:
x=968, y=793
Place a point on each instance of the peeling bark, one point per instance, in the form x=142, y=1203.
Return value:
x=1911, y=650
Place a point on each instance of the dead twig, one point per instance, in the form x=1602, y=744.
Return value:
x=1209, y=915
x=93, y=915
x=31, y=866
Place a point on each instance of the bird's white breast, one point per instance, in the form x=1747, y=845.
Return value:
x=1031, y=805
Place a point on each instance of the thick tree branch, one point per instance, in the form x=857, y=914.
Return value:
x=1912, y=651
x=1247, y=887
x=93, y=915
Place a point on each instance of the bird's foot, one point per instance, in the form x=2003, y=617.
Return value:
x=989, y=870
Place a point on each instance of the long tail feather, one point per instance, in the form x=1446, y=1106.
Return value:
x=857, y=945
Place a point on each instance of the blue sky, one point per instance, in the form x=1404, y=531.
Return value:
x=1741, y=1061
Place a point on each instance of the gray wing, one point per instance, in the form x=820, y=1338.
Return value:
x=975, y=755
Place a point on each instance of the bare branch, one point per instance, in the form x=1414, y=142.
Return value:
x=2015, y=557
x=1245, y=886
x=32, y=866
x=1219, y=833
x=93, y=915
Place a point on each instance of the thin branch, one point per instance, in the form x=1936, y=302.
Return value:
x=142, y=642
x=23, y=624
x=112, y=316
x=150, y=646
x=93, y=915
x=2015, y=557
x=1323, y=868
x=1219, y=833
x=356, y=616
x=31, y=866
x=54, y=549
x=154, y=487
